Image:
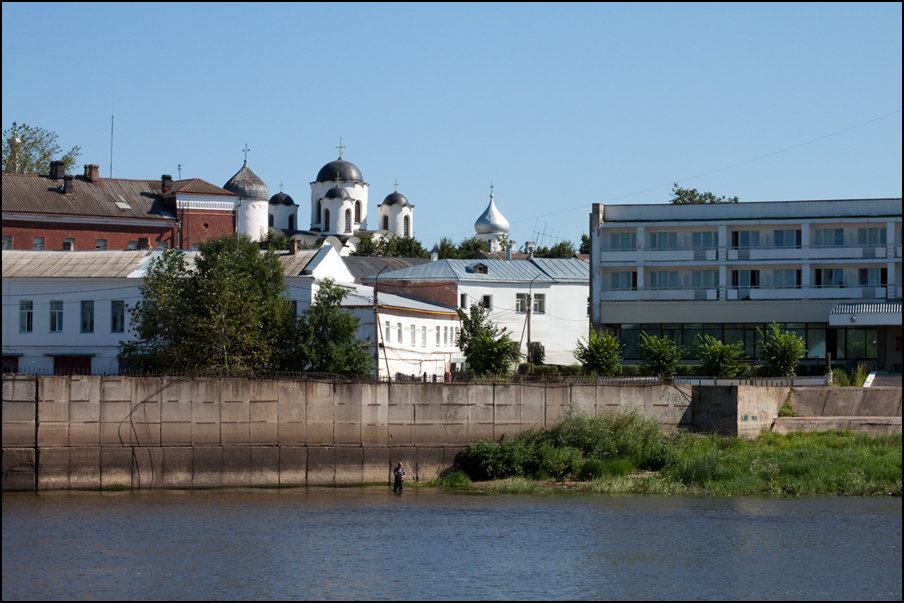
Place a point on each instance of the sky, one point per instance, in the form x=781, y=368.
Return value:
x=552, y=107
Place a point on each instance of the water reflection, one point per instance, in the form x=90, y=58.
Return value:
x=366, y=543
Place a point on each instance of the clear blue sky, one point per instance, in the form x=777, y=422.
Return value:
x=558, y=106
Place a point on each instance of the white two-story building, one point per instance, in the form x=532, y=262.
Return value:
x=67, y=312
x=827, y=270
x=536, y=300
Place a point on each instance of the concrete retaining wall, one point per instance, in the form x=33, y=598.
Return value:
x=106, y=432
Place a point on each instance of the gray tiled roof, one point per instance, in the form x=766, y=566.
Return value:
x=74, y=264
x=540, y=270
x=365, y=266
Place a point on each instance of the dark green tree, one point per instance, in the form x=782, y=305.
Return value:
x=487, y=350
x=690, y=196
x=559, y=250
x=325, y=340
x=585, y=245
x=399, y=247
x=29, y=150
x=599, y=353
x=659, y=355
x=782, y=351
x=446, y=249
x=367, y=246
x=229, y=313
x=276, y=240
x=718, y=359
x=471, y=247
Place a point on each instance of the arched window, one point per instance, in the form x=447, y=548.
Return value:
x=348, y=220
x=318, y=209
x=357, y=212
x=385, y=222
x=291, y=222
x=326, y=220
x=407, y=227
x=270, y=220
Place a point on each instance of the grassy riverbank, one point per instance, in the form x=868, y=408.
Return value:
x=628, y=454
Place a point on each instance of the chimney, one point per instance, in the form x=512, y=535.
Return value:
x=67, y=184
x=92, y=172
x=166, y=181
x=511, y=245
x=293, y=246
x=57, y=170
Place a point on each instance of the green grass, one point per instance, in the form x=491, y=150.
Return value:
x=628, y=454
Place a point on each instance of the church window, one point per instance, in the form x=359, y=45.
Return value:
x=385, y=222
x=291, y=222
x=326, y=220
x=318, y=209
x=348, y=220
x=270, y=220
x=407, y=227
x=357, y=212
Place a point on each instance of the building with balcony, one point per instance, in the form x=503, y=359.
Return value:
x=827, y=270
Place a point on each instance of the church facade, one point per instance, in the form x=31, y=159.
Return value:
x=338, y=209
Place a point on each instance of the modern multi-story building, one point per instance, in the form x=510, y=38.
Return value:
x=827, y=270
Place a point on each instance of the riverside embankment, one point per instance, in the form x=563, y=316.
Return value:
x=95, y=432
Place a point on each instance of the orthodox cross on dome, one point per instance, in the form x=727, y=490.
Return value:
x=245, y=151
x=491, y=191
x=280, y=185
x=396, y=185
x=340, y=147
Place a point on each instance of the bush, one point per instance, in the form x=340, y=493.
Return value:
x=782, y=351
x=720, y=359
x=660, y=355
x=599, y=354
x=536, y=352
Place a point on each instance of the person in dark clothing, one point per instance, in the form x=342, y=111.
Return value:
x=399, y=478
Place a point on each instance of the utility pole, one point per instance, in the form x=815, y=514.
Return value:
x=377, y=330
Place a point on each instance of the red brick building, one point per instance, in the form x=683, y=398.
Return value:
x=87, y=212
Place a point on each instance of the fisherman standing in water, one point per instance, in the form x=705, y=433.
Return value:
x=399, y=478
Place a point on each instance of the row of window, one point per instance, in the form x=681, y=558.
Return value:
x=445, y=336
x=747, y=279
x=86, y=316
x=37, y=244
x=536, y=301
x=843, y=343
x=741, y=239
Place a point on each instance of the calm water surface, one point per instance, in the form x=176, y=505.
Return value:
x=368, y=544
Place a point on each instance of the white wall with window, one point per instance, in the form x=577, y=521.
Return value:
x=44, y=318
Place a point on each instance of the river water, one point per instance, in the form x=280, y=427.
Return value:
x=365, y=543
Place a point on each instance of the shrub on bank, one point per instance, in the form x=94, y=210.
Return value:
x=607, y=449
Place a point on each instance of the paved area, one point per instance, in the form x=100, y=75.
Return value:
x=886, y=380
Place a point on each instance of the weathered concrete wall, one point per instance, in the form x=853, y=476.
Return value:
x=871, y=410
x=846, y=401
x=105, y=432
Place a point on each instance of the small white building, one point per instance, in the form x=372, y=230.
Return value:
x=536, y=300
x=731, y=269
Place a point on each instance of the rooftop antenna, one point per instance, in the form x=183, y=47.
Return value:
x=112, y=113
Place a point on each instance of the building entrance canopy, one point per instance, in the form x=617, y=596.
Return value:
x=872, y=314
